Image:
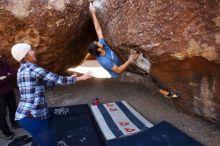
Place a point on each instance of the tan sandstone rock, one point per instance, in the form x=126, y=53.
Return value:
x=57, y=29
x=181, y=38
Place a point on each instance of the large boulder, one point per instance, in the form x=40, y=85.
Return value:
x=57, y=29
x=181, y=38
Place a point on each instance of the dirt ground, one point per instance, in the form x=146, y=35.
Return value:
x=155, y=108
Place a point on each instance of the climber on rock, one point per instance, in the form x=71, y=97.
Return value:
x=109, y=60
x=104, y=54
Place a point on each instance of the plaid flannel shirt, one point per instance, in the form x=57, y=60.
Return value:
x=31, y=81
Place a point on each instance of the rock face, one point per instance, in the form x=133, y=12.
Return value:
x=181, y=38
x=57, y=29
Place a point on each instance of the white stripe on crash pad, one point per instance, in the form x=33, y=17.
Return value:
x=125, y=125
x=102, y=124
x=142, y=119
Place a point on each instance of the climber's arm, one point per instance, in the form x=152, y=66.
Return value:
x=95, y=21
x=119, y=69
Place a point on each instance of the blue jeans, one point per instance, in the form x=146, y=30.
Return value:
x=39, y=130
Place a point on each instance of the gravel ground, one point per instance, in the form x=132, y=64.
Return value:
x=155, y=108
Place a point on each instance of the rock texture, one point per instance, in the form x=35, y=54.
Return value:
x=181, y=38
x=57, y=29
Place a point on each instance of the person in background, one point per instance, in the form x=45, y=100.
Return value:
x=106, y=57
x=109, y=60
x=32, y=110
x=7, y=98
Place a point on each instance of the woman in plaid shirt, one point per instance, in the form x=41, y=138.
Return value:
x=32, y=110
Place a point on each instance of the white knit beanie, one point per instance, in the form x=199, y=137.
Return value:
x=19, y=51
